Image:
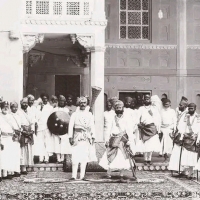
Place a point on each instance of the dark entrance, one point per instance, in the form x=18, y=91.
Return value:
x=133, y=94
x=67, y=84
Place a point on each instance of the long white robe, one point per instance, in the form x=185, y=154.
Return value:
x=44, y=143
x=16, y=123
x=82, y=150
x=169, y=120
x=7, y=155
x=61, y=143
x=27, y=151
x=188, y=158
x=153, y=144
x=119, y=161
x=108, y=118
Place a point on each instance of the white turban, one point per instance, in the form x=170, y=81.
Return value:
x=119, y=103
x=30, y=96
x=24, y=100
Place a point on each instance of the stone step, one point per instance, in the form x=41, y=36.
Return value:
x=92, y=167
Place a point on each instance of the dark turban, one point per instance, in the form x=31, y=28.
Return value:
x=193, y=105
x=4, y=104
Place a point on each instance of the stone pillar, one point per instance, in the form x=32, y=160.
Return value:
x=97, y=79
x=85, y=82
x=181, y=50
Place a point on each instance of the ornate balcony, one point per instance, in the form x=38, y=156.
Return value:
x=58, y=9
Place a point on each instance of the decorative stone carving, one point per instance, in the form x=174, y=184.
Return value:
x=34, y=58
x=146, y=79
x=133, y=62
x=64, y=22
x=87, y=41
x=14, y=35
x=193, y=46
x=140, y=46
x=30, y=40
x=73, y=38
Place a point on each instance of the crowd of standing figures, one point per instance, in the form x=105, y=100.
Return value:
x=133, y=127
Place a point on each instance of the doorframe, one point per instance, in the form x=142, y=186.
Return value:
x=134, y=91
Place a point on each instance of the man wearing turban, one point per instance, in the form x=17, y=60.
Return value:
x=61, y=142
x=28, y=131
x=168, y=126
x=16, y=124
x=184, y=155
x=119, y=143
x=7, y=155
x=70, y=105
x=43, y=145
x=149, y=127
x=81, y=137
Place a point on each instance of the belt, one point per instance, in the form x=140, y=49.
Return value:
x=7, y=134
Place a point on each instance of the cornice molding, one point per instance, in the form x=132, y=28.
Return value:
x=140, y=46
x=193, y=46
x=64, y=22
x=98, y=49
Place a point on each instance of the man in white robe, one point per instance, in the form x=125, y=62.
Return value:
x=16, y=124
x=168, y=125
x=184, y=157
x=44, y=145
x=108, y=116
x=150, y=122
x=117, y=155
x=7, y=132
x=61, y=142
x=81, y=137
x=27, y=140
x=32, y=112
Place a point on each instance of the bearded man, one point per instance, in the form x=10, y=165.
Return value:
x=26, y=141
x=119, y=143
x=70, y=105
x=185, y=156
x=62, y=145
x=168, y=126
x=182, y=108
x=149, y=127
x=44, y=144
x=81, y=137
x=7, y=133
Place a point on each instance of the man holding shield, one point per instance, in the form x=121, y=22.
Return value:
x=81, y=137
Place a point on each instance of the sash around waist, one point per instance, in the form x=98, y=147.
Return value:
x=7, y=134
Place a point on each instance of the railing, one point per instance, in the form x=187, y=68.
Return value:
x=58, y=9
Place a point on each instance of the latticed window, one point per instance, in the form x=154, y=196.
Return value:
x=134, y=19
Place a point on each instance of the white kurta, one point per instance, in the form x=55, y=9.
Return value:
x=188, y=158
x=7, y=155
x=119, y=162
x=44, y=143
x=16, y=123
x=169, y=120
x=108, y=118
x=62, y=145
x=153, y=144
x=82, y=150
x=27, y=151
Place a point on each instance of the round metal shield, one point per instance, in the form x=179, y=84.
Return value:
x=58, y=123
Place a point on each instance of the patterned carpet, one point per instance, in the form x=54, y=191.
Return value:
x=170, y=188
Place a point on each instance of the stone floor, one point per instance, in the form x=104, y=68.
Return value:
x=150, y=185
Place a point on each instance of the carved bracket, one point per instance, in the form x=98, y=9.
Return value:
x=30, y=40
x=35, y=57
x=82, y=60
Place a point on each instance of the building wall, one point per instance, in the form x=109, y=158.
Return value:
x=142, y=69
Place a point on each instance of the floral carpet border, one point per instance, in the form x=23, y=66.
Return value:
x=105, y=195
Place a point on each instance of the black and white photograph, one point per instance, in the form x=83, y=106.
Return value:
x=99, y=99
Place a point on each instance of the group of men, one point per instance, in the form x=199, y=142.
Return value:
x=136, y=126
x=24, y=134
x=152, y=126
